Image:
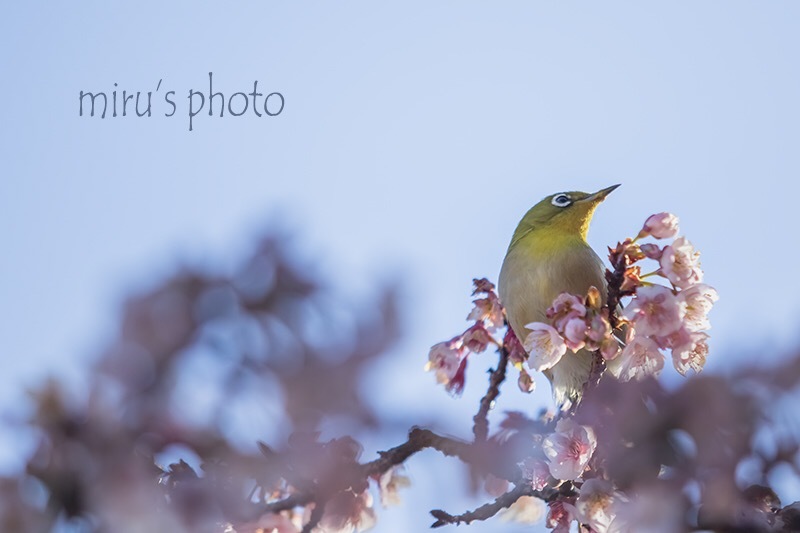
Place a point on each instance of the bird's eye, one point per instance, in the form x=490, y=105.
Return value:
x=561, y=200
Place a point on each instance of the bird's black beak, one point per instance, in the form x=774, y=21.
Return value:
x=600, y=195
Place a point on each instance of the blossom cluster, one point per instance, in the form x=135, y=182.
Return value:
x=449, y=359
x=671, y=318
x=657, y=318
x=577, y=324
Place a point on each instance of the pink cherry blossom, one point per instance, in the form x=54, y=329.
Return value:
x=544, y=345
x=575, y=333
x=596, y=504
x=565, y=307
x=661, y=226
x=640, y=358
x=689, y=351
x=654, y=311
x=569, y=449
x=697, y=301
x=680, y=263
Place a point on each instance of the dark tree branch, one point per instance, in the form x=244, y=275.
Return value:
x=418, y=439
x=316, y=517
x=481, y=427
x=615, y=278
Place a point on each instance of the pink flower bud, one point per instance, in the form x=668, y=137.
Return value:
x=661, y=226
x=575, y=333
x=652, y=251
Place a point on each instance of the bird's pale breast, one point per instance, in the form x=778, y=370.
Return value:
x=530, y=279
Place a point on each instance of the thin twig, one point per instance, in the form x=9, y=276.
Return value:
x=481, y=427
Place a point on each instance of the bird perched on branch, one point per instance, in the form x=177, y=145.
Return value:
x=549, y=255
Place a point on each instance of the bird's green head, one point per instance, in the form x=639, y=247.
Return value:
x=561, y=214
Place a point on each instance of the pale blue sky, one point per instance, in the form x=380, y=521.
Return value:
x=413, y=138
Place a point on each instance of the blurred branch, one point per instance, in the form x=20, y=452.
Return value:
x=488, y=510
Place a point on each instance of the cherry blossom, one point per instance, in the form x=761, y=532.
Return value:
x=565, y=307
x=544, y=346
x=697, y=301
x=569, y=449
x=640, y=358
x=689, y=351
x=655, y=311
x=680, y=263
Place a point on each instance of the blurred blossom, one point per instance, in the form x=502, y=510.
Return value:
x=536, y=471
x=348, y=512
x=657, y=508
x=526, y=510
x=444, y=359
x=596, y=504
x=560, y=515
x=569, y=449
x=389, y=485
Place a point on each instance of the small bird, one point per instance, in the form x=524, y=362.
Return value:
x=549, y=255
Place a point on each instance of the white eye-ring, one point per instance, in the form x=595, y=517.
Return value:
x=561, y=200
